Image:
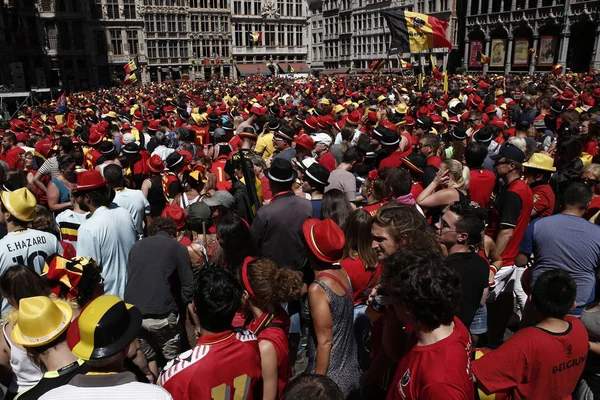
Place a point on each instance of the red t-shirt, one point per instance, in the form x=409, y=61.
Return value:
x=391, y=161
x=416, y=189
x=218, y=168
x=373, y=208
x=361, y=278
x=225, y=366
x=434, y=161
x=437, y=371
x=12, y=157
x=235, y=143
x=202, y=135
x=481, y=186
x=511, y=210
x=266, y=188
x=328, y=161
x=543, y=200
x=591, y=148
x=593, y=208
x=274, y=328
x=141, y=166
x=524, y=368
x=92, y=157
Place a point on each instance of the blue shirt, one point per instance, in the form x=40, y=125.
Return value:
x=107, y=236
x=565, y=242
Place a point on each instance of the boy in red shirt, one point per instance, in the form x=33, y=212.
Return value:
x=544, y=361
x=435, y=362
x=225, y=364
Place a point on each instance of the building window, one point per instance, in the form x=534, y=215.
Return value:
x=237, y=7
x=116, y=43
x=204, y=23
x=444, y=4
x=298, y=8
x=214, y=23
x=257, y=8
x=161, y=26
x=162, y=49
x=129, y=9
x=132, y=42
x=112, y=9
x=203, y=3
x=225, y=25
x=195, y=22
x=247, y=8
x=290, y=36
x=193, y=3
x=280, y=6
x=172, y=48
x=151, y=47
x=225, y=49
x=269, y=35
x=238, y=35
x=281, y=35
x=206, y=48
x=149, y=23
x=171, y=24
x=289, y=8
x=299, y=35
x=183, y=49
x=181, y=23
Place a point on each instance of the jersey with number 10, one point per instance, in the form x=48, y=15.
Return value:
x=223, y=366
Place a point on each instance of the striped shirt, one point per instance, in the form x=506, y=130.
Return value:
x=68, y=222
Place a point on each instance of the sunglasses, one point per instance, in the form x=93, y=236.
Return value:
x=591, y=182
x=424, y=145
x=502, y=162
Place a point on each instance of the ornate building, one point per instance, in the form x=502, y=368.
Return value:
x=525, y=36
x=268, y=36
x=117, y=36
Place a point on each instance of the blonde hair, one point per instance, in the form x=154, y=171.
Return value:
x=593, y=169
x=519, y=142
x=459, y=173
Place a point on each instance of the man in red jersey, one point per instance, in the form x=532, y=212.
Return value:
x=508, y=220
x=482, y=180
x=225, y=364
x=537, y=173
x=324, y=156
x=11, y=151
x=424, y=293
x=542, y=361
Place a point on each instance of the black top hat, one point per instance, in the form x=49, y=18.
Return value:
x=389, y=137
x=318, y=174
x=415, y=163
x=459, y=133
x=107, y=148
x=213, y=117
x=174, y=159
x=484, y=135
x=281, y=170
x=131, y=148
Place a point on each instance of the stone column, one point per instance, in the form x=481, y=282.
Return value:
x=564, y=47
x=513, y=5
x=489, y=10
x=466, y=57
x=486, y=67
x=596, y=53
x=469, y=4
x=508, y=55
x=534, y=57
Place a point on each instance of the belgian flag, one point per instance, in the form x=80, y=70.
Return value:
x=413, y=32
x=405, y=64
x=290, y=69
x=377, y=65
x=130, y=67
x=483, y=58
x=435, y=72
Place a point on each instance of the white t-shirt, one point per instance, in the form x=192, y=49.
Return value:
x=69, y=221
x=136, y=203
x=28, y=247
x=107, y=236
x=163, y=152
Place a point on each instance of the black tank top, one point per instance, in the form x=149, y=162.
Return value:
x=156, y=196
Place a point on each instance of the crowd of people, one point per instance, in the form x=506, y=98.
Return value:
x=199, y=240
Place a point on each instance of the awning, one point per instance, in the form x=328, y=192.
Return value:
x=253, y=69
x=299, y=68
x=338, y=71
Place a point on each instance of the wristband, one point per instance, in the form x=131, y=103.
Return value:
x=493, y=269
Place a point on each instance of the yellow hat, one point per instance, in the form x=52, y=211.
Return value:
x=401, y=108
x=20, y=204
x=40, y=320
x=499, y=92
x=112, y=114
x=338, y=108
x=540, y=161
x=586, y=158
x=381, y=98
x=198, y=118
x=325, y=101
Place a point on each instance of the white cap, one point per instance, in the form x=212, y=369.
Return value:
x=322, y=138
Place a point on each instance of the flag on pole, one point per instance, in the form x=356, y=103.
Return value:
x=405, y=64
x=130, y=67
x=483, y=58
x=130, y=79
x=435, y=72
x=256, y=37
x=290, y=69
x=413, y=32
x=420, y=81
x=377, y=65
x=445, y=74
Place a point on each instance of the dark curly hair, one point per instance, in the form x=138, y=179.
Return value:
x=471, y=220
x=422, y=282
x=163, y=224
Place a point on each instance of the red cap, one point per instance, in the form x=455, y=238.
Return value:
x=353, y=118
x=175, y=212
x=88, y=180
